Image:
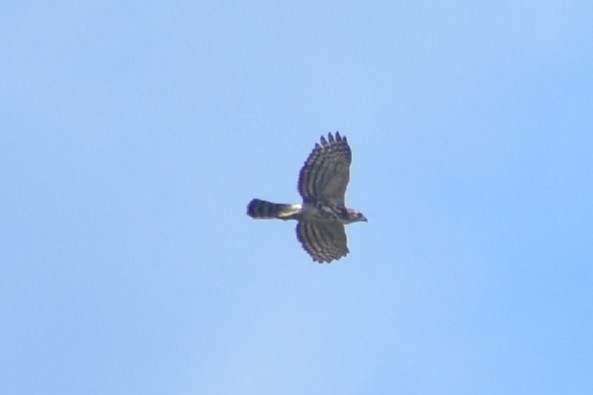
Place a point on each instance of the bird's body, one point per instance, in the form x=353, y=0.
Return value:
x=322, y=215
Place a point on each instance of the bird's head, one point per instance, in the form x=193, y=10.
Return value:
x=355, y=216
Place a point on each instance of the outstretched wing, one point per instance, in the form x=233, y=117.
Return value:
x=326, y=172
x=325, y=242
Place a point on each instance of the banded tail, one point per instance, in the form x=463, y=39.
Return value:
x=262, y=209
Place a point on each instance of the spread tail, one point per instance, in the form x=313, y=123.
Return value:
x=261, y=209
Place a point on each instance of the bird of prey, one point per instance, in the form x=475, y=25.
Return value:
x=322, y=214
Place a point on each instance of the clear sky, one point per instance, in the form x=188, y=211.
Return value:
x=133, y=134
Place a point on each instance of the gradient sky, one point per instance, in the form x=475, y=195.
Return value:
x=133, y=134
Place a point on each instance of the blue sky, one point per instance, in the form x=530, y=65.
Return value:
x=133, y=134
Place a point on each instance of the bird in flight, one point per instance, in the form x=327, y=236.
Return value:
x=322, y=214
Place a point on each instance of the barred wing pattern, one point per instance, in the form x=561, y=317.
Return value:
x=323, y=241
x=326, y=172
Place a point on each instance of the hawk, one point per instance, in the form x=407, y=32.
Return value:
x=322, y=214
